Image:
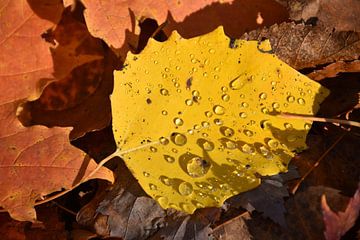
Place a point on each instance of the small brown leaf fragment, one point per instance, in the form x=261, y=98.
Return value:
x=304, y=46
x=333, y=69
x=337, y=224
x=343, y=15
x=234, y=229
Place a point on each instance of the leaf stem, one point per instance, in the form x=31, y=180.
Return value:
x=318, y=119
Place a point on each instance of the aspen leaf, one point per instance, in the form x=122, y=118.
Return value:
x=193, y=117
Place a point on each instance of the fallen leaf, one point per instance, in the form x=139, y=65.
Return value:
x=192, y=227
x=129, y=213
x=339, y=14
x=337, y=224
x=27, y=154
x=305, y=46
x=52, y=225
x=332, y=70
x=212, y=101
x=109, y=20
x=268, y=198
x=233, y=229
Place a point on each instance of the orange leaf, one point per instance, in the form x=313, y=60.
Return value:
x=34, y=161
x=108, y=20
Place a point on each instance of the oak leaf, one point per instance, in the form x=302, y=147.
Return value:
x=34, y=161
x=337, y=224
x=193, y=118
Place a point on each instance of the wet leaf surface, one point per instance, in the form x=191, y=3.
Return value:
x=208, y=150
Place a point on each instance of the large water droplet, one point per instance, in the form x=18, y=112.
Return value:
x=179, y=139
x=218, y=121
x=163, y=141
x=164, y=92
x=230, y=144
x=275, y=105
x=165, y=180
x=236, y=84
x=205, y=124
x=301, y=101
x=169, y=159
x=196, y=93
x=265, y=110
x=248, y=133
x=262, y=95
x=243, y=115
x=244, y=104
x=224, y=89
x=290, y=99
x=225, y=98
x=178, y=121
x=153, y=149
x=185, y=188
x=189, y=102
x=163, y=201
x=164, y=112
x=246, y=148
x=197, y=167
x=219, y=110
x=153, y=186
x=208, y=114
x=208, y=146
x=227, y=132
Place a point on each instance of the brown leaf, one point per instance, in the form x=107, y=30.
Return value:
x=234, y=229
x=34, y=161
x=52, y=225
x=127, y=211
x=333, y=69
x=304, y=46
x=337, y=224
x=109, y=20
x=343, y=15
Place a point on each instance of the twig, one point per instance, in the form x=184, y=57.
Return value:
x=64, y=208
x=297, y=185
x=318, y=119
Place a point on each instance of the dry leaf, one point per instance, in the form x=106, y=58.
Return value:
x=337, y=224
x=29, y=154
x=343, y=15
x=109, y=20
x=304, y=46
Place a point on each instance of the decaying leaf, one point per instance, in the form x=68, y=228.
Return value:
x=109, y=20
x=34, y=161
x=193, y=118
x=129, y=213
x=304, y=46
x=332, y=70
x=233, y=229
x=268, y=198
x=337, y=224
x=343, y=15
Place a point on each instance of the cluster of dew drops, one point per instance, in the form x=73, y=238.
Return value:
x=197, y=167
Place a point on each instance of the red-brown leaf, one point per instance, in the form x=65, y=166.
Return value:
x=34, y=161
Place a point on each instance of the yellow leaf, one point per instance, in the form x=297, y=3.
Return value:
x=192, y=117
